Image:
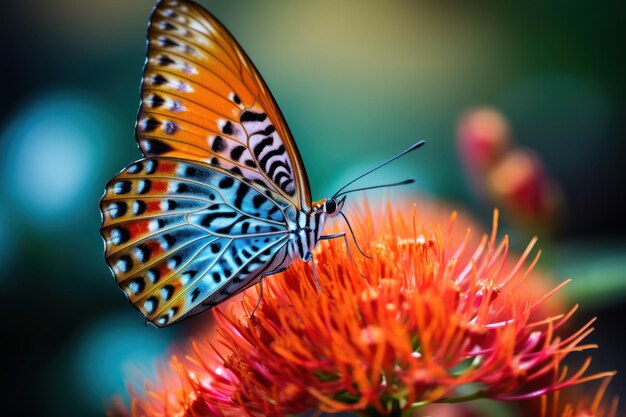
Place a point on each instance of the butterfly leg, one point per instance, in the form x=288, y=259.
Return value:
x=307, y=257
x=263, y=275
x=345, y=239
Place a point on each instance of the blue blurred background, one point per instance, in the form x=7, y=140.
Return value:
x=357, y=81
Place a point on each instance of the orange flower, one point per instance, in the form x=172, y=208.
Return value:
x=586, y=407
x=428, y=316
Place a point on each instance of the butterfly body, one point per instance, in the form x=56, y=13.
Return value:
x=221, y=198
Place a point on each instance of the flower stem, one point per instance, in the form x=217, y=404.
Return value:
x=394, y=411
x=415, y=406
x=464, y=398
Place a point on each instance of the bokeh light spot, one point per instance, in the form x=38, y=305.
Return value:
x=52, y=155
x=104, y=356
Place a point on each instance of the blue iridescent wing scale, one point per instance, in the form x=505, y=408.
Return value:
x=181, y=236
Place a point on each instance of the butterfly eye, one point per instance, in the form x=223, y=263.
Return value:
x=330, y=206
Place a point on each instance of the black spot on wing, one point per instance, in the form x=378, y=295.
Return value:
x=226, y=182
x=208, y=219
x=120, y=235
x=289, y=190
x=218, y=144
x=126, y=263
x=223, y=263
x=258, y=201
x=236, y=152
x=117, y=210
x=190, y=171
x=144, y=186
x=262, y=184
x=169, y=239
x=242, y=191
x=167, y=26
x=154, y=275
x=122, y=187
x=268, y=130
x=171, y=205
x=227, y=229
x=261, y=145
x=138, y=285
x=165, y=60
x=143, y=253
x=168, y=43
x=176, y=260
x=274, y=166
x=168, y=291
x=195, y=294
x=269, y=155
x=250, y=116
x=158, y=79
x=157, y=101
x=280, y=176
x=151, y=304
x=228, y=128
x=135, y=168
x=157, y=147
x=151, y=124
x=273, y=210
x=151, y=166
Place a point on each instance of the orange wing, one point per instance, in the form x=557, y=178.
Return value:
x=203, y=99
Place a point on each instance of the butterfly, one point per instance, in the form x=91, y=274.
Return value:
x=221, y=198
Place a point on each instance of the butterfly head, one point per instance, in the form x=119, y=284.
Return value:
x=332, y=206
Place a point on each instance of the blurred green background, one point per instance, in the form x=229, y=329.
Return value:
x=357, y=81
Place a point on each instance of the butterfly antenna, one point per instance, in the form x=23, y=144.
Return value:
x=353, y=237
x=393, y=184
x=401, y=154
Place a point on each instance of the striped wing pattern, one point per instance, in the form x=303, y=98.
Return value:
x=202, y=99
x=181, y=236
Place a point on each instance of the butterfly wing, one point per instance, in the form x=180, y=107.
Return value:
x=182, y=236
x=203, y=99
